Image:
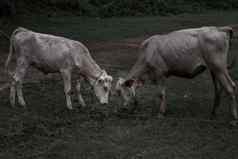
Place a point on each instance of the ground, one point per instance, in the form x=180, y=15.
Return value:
x=48, y=130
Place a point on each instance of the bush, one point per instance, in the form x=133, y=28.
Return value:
x=109, y=8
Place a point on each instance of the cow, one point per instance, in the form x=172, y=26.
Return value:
x=183, y=53
x=54, y=54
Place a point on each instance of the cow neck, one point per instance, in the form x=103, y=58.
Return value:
x=91, y=70
x=137, y=71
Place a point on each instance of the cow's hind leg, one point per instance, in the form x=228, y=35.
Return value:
x=229, y=86
x=66, y=75
x=17, y=80
x=217, y=96
x=80, y=98
x=21, y=100
x=234, y=101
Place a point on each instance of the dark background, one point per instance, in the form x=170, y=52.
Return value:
x=109, y=8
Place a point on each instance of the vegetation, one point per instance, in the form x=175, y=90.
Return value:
x=109, y=8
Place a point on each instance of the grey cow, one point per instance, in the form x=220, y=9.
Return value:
x=184, y=53
x=52, y=54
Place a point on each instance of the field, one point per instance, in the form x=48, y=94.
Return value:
x=47, y=130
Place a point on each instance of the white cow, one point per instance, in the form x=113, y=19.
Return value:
x=184, y=53
x=53, y=54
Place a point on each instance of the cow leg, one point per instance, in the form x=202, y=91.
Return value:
x=234, y=101
x=230, y=80
x=13, y=94
x=80, y=98
x=217, y=98
x=16, y=84
x=162, y=96
x=21, y=100
x=163, y=105
x=66, y=75
x=229, y=86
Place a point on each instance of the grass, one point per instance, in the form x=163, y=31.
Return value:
x=97, y=29
x=47, y=130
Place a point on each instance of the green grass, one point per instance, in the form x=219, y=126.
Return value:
x=110, y=29
x=96, y=29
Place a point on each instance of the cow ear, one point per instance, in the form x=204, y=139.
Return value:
x=128, y=83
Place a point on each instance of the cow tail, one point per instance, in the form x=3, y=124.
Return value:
x=11, y=48
x=230, y=32
x=10, y=53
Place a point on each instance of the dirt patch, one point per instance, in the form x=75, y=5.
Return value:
x=133, y=43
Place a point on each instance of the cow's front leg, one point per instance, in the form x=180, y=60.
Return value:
x=66, y=75
x=80, y=98
x=162, y=96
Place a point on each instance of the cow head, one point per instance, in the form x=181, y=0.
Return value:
x=127, y=89
x=102, y=87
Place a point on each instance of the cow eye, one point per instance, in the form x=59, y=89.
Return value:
x=100, y=81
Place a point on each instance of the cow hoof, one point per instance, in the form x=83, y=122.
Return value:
x=160, y=115
x=23, y=105
x=13, y=104
x=234, y=123
x=70, y=107
x=83, y=105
